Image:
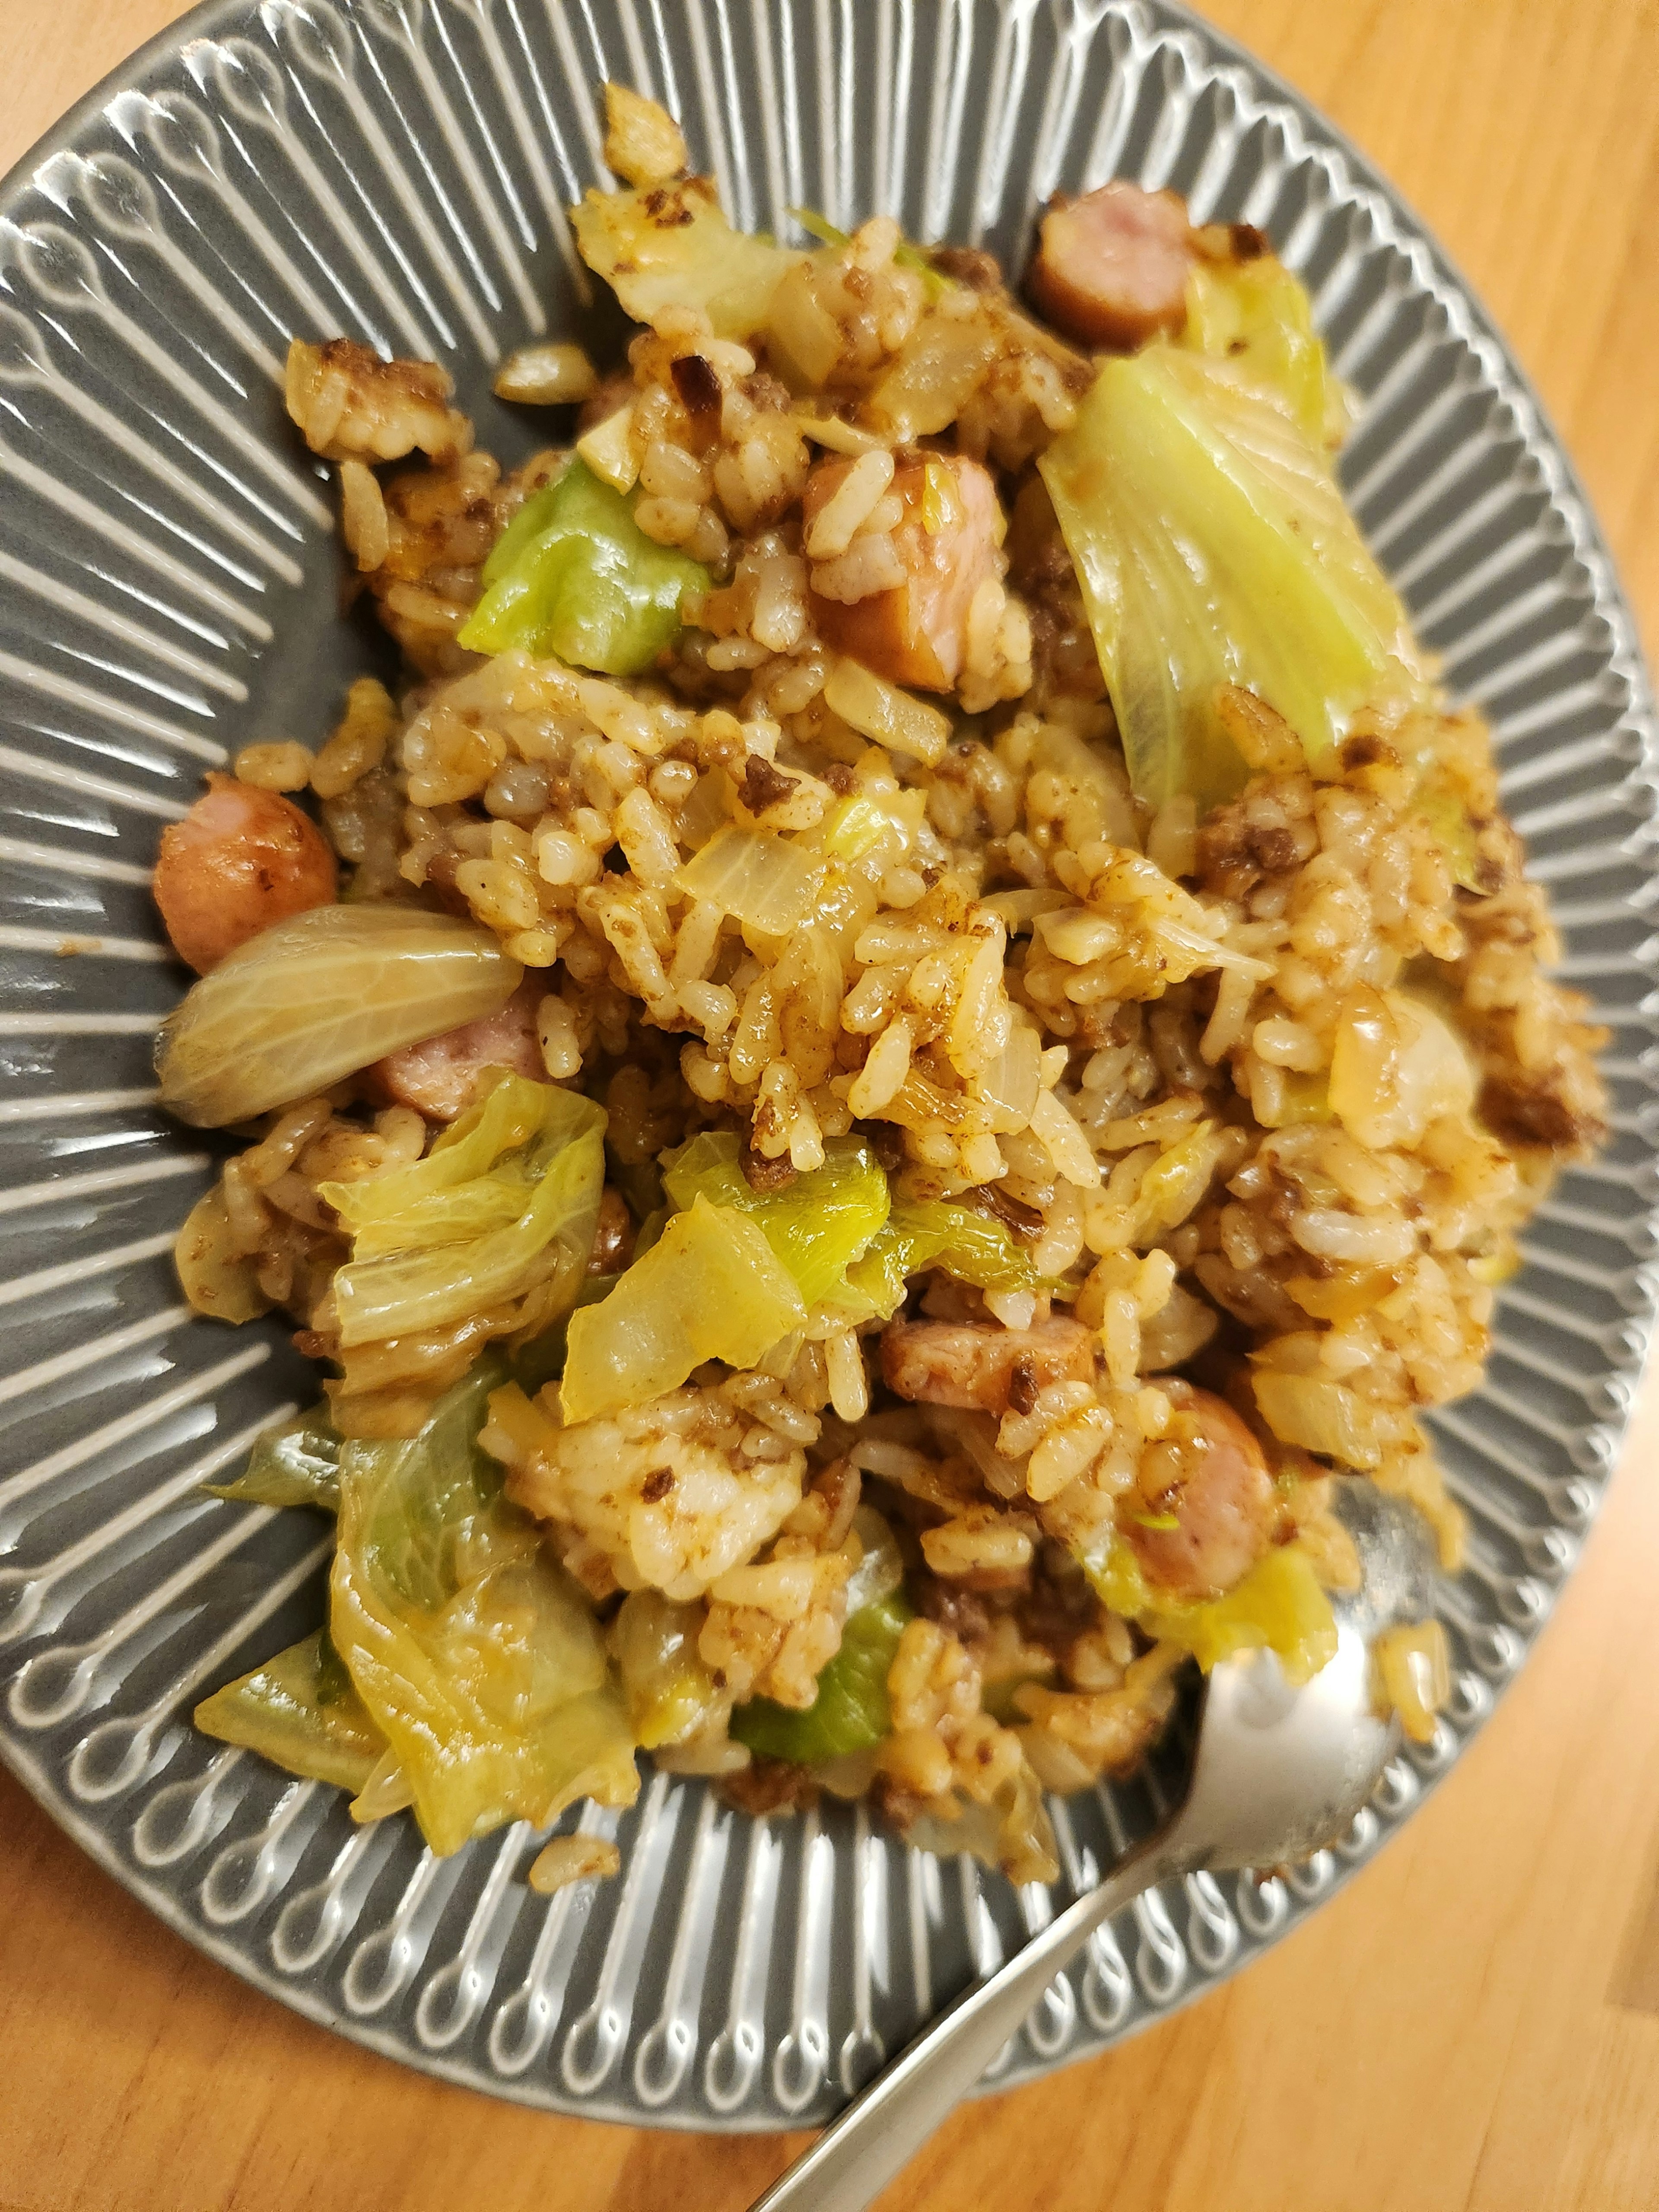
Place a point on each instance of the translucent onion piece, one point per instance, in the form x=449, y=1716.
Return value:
x=671, y=1694
x=710, y=1288
x=318, y=997
x=767, y=882
x=1326, y=1418
x=1395, y=1067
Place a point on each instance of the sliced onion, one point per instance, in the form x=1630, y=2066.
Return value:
x=1396, y=1066
x=767, y=882
x=318, y=997
x=1325, y=1418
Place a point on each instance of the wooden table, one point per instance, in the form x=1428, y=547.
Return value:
x=1476, y=2021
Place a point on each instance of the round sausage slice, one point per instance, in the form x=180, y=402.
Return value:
x=945, y=1363
x=240, y=861
x=1219, y=1492
x=1111, y=268
x=437, y=1076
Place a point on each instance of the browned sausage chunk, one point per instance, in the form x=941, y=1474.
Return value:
x=437, y=1077
x=240, y=859
x=945, y=1363
x=613, y=1234
x=917, y=633
x=1111, y=268
x=1213, y=1481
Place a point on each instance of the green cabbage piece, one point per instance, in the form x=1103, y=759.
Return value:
x=296, y=1464
x=471, y=1650
x=972, y=1246
x=300, y=1711
x=506, y=1202
x=815, y=1224
x=1278, y=1606
x=850, y=1712
x=1257, y=317
x=1213, y=548
x=573, y=575
x=710, y=1288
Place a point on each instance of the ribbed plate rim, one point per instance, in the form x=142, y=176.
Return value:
x=1568, y=501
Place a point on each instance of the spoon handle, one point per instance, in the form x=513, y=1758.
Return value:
x=859, y=2152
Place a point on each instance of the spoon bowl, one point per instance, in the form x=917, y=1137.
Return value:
x=1279, y=1771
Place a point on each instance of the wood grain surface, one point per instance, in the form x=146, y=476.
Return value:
x=1476, y=2021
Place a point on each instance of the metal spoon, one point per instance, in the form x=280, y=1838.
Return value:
x=1278, y=1773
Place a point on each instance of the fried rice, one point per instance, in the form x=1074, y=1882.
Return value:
x=1235, y=1104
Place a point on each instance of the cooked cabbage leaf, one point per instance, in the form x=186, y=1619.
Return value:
x=471, y=1650
x=671, y=245
x=815, y=1224
x=296, y=1464
x=710, y=1288
x=850, y=1712
x=1257, y=317
x=300, y=1712
x=505, y=1203
x=573, y=575
x=1278, y=1606
x=935, y=1233
x=1213, y=548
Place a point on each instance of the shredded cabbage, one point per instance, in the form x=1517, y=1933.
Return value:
x=318, y=996
x=671, y=245
x=506, y=1203
x=710, y=1288
x=296, y=1464
x=850, y=1712
x=471, y=1650
x=816, y=1224
x=1213, y=548
x=300, y=1711
x=573, y=575
x=1278, y=1607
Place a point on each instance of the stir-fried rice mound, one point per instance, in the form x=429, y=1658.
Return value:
x=899, y=1078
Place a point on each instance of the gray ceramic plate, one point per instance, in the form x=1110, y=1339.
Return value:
x=399, y=169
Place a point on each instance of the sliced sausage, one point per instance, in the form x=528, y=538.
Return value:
x=1221, y=1496
x=942, y=1362
x=241, y=860
x=1111, y=268
x=917, y=633
x=437, y=1077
